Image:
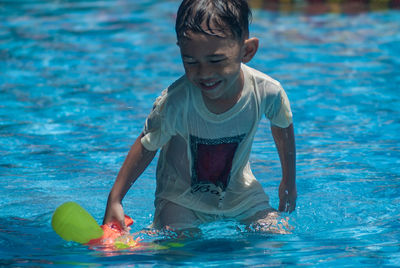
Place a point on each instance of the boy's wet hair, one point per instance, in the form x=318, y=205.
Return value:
x=219, y=17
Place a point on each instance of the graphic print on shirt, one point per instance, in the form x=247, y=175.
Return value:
x=212, y=163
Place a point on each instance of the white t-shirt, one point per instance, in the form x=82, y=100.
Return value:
x=204, y=160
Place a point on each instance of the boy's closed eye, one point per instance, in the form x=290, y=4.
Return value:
x=217, y=60
x=191, y=61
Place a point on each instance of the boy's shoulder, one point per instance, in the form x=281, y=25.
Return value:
x=179, y=88
x=179, y=83
x=262, y=78
x=175, y=94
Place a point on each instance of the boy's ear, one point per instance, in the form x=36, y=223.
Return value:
x=250, y=48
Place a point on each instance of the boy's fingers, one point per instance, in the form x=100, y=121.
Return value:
x=121, y=222
x=123, y=227
x=292, y=205
x=126, y=229
x=287, y=205
x=283, y=205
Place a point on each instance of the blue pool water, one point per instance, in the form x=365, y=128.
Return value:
x=77, y=79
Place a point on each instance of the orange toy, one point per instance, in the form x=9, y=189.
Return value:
x=114, y=237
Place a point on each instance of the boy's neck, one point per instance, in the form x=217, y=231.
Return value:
x=222, y=105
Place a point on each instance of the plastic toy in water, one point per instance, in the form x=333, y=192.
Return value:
x=73, y=223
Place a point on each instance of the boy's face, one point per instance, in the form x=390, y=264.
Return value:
x=212, y=64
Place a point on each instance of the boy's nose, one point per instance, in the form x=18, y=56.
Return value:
x=204, y=71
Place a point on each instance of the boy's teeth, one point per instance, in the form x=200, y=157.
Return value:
x=210, y=84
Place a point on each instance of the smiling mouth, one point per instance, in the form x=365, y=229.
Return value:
x=209, y=85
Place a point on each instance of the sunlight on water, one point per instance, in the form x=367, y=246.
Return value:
x=79, y=78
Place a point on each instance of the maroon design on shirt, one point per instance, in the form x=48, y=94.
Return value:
x=212, y=159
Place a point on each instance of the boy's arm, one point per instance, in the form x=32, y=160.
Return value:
x=285, y=144
x=135, y=163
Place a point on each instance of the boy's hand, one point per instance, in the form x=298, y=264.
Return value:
x=287, y=198
x=115, y=211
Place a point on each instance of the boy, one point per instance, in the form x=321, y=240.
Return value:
x=205, y=123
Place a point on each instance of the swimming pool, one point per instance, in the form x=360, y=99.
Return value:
x=79, y=77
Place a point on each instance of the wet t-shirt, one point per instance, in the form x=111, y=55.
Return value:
x=204, y=159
